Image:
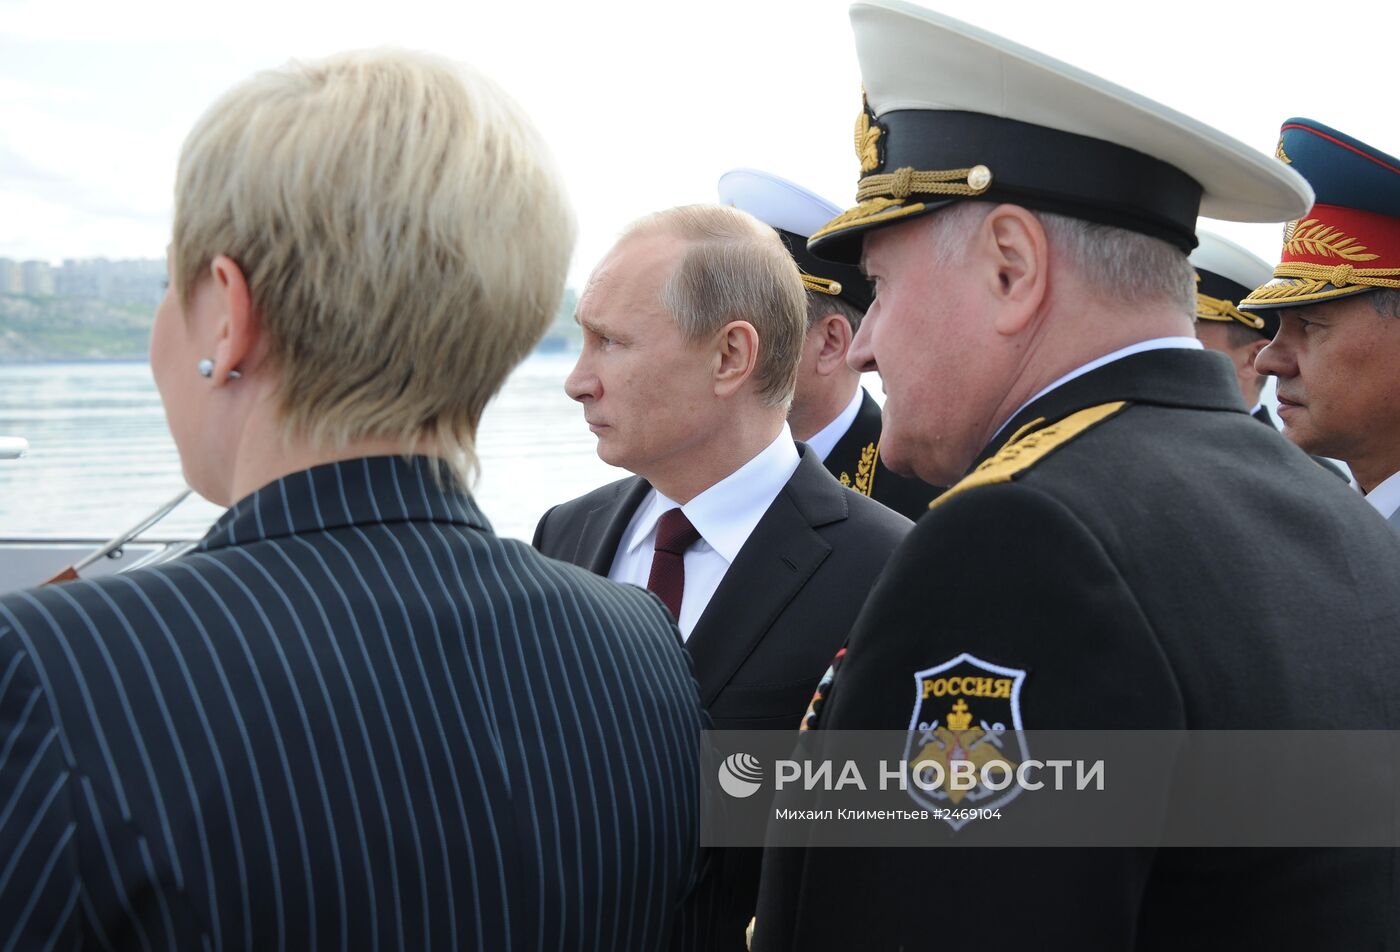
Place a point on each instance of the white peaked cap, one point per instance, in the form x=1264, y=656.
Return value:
x=775, y=201
x=957, y=112
x=1221, y=256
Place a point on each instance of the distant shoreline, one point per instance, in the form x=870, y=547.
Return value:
x=14, y=361
x=8, y=361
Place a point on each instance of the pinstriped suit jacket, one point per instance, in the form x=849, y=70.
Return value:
x=354, y=718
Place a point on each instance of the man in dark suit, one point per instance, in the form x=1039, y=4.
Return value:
x=692, y=326
x=353, y=717
x=1028, y=237
x=1225, y=273
x=831, y=412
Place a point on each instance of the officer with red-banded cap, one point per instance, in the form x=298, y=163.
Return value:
x=1336, y=298
x=1093, y=564
x=1225, y=274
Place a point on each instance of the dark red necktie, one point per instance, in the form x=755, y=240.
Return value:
x=674, y=534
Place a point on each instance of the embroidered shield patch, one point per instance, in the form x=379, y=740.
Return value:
x=966, y=727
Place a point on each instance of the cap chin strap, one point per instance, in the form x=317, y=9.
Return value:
x=1311, y=280
x=901, y=183
x=1218, y=309
x=821, y=285
x=1340, y=275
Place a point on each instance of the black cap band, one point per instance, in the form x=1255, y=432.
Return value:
x=1223, y=289
x=1049, y=170
x=1218, y=286
x=1033, y=166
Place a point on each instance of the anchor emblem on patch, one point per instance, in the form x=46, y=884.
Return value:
x=965, y=709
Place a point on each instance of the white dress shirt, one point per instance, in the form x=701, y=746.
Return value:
x=724, y=515
x=1386, y=496
x=826, y=439
x=1142, y=346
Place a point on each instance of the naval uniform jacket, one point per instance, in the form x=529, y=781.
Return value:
x=855, y=461
x=1144, y=577
x=783, y=609
x=1262, y=414
x=352, y=718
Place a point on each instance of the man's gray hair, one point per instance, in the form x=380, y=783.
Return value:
x=1125, y=266
x=1386, y=302
x=735, y=268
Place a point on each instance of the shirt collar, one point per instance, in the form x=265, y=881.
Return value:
x=376, y=489
x=826, y=439
x=726, y=513
x=1386, y=496
x=1156, y=343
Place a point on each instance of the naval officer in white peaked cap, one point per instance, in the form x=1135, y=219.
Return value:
x=831, y=412
x=1225, y=274
x=1027, y=226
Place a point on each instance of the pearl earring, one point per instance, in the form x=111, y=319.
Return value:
x=206, y=369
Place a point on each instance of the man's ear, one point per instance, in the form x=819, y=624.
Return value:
x=736, y=356
x=835, y=333
x=1251, y=353
x=239, y=329
x=1014, y=254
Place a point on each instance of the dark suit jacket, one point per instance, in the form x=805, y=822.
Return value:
x=353, y=718
x=1145, y=578
x=1265, y=417
x=855, y=461
x=769, y=633
x=784, y=607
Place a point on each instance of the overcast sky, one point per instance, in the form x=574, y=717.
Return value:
x=645, y=104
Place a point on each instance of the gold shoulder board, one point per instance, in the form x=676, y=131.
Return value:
x=1025, y=449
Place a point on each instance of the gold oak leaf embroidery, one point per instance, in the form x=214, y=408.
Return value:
x=867, y=143
x=860, y=214
x=1313, y=237
x=865, y=470
x=1299, y=287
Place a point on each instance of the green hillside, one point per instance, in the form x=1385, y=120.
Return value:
x=64, y=328
x=71, y=328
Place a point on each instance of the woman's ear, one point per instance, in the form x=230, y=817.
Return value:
x=239, y=329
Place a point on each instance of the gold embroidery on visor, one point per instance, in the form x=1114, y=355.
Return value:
x=875, y=210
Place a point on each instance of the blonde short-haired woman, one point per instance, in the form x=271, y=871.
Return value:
x=353, y=717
